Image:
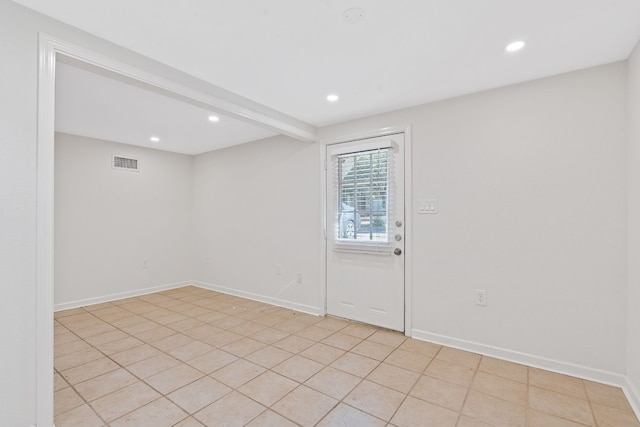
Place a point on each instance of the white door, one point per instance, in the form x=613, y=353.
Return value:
x=365, y=231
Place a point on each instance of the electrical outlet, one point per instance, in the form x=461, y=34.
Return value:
x=481, y=297
x=299, y=278
x=145, y=263
x=278, y=269
x=207, y=260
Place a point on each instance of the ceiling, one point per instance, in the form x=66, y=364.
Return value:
x=290, y=54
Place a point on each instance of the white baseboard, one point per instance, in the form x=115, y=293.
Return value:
x=118, y=296
x=633, y=396
x=558, y=366
x=261, y=298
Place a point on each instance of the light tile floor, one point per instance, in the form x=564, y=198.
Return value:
x=191, y=357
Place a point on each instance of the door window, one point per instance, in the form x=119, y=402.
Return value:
x=363, y=201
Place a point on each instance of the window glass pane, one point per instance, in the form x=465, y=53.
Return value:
x=363, y=199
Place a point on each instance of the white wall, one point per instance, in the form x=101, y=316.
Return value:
x=531, y=184
x=633, y=332
x=256, y=206
x=107, y=221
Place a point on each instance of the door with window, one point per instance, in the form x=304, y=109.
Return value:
x=365, y=230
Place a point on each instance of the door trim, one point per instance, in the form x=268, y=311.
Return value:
x=183, y=85
x=408, y=206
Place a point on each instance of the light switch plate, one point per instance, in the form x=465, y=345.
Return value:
x=428, y=206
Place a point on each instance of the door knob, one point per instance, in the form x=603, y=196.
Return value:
x=397, y=251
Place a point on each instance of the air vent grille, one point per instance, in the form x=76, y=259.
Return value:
x=125, y=163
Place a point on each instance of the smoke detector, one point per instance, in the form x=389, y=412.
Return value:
x=353, y=15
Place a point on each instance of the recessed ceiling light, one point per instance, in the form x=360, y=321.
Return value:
x=214, y=118
x=154, y=139
x=515, y=46
x=332, y=97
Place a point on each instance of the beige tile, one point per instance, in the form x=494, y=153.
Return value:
x=210, y=316
x=269, y=356
x=560, y=405
x=89, y=370
x=294, y=344
x=117, y=346
x=494, y=411
x=154, y=334
x=189, y=422
x=607, y=395
x=270, y=419
x=322, y=353
x=291, y=326
x=456, y=374
x=298, y=368
x=59, y=382
x=69, y=347
x=94, y=330
x=465, y=421
x=199, y=394
x=395, y=378
x=153, y=365
x=243, y=347
x=607, y=416
x=104, y=384
x=557, y=382
x=332, y=324
x=212, y=361
x=314, y=333
x=139, y=327
x=502, y=368
x=190, y=351
x=238, y=373
x=459, y=357
x=185, y=324
x=247, y=328
x=342, y=341
x=159, y=413
x=269, y=335
x=390, y=338
x=64, y=338
x=269, y=320
x=345, y=415
x=421, y=347
x=106, y=337
x=171, y=318
x=304, y=406
x=372, y=350
x=173, y=378
x=135, y=354
x=540, y=419
x=233, y=410
x=359, y=330
x=440, y=392
x=171, y=342
x=203, y=332
x=502, y=388
x=80, y=416
x=65, y=400
x=333, y=382
x=228, y=322
x=268, y=388
x=123, y=401
x=222, y=338
x=68, y=361
x=408, y=360
x=375, y=399
x=355, y=364
x=416, y=412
